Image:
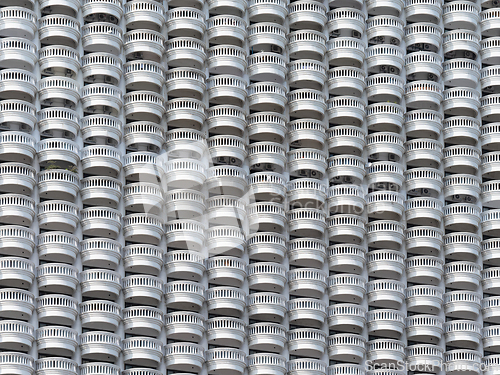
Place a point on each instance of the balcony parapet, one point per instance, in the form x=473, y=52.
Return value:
x=462, y=304
x=266, y=276
x=462, y=42
x=465, y=334
x=461, y=72
x=424, y=240
x=184, y=295
x=100, y=345
x=270, y=337
x=142, y=258
x=266, y=246
x=96, y=314
x=226, y=270
x=142, y=289
x=424, y=328
x=310, y=222
x=385, y=323
x=427, y=33
x=57, y=247
x=16, y=21
x=57, y=278
x=462, y=217
x=346, y=288
x=18, y=114
x=426, y=299
x=100, y=283
x=144, y=14
x=385, y=29
x=184, y=51
x=59, y=29
x=226, y=29
x=16, y=241
x=102, y=37
x=346, y=317
x=100, y=368
x=423, y=64
x=184, y=356
x=226, y=331
x=308, y=342
x=17, y=363
x=17, y=53
x=464, y=159
x=101, y=67
x=16, y=304
x=267, y=11
x=184, y=21
x=224, y=360
x=385, y=350
x=17, y=84
x=142, y=351
x=226, y=300
x=56, y=340
x=273, y=363
x=145, y=44
x=60, y=365
x=266, y=306
x=307, y=312
x=305, y=15
x=309, y=366
x=183, y=325
x=385, y=263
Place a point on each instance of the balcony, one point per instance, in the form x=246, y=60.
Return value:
x=269, y=337
x=387, y=264
x=17, y=53
x=308, y=133
x=266, y=276
x=267, y=66
x=17, y=84
x=143, y=320
x=423, y=124
x=267, y=186
x=144, y=45
x=490, y=52
x=423, y=355
x=102, y=37
x=461, y=15
x=424, y=211
x=266, y=247
x=385, y=323
x=266, y=217
x=384, y=87
x=226, y=300
x=303, y=366
x=58, y=150
x=142, y=289
x=267, y=96
x=489, y=282
x=346, y=110
x=346, y=22
x=464, y=217
x=100, y=315
x=17, y=22
x=386, y=29
x=143, y=166
x=18, y=114
x=489, y=250
x=103, y=284
x=143, y=106
x=17, y=209
x=226, y=270
x=308, y=342
x=462, y=187
x=185, y=52
x=16, y=335
x=306, y=192
x=307, y=162
x=267, y=37
x=424, y=270
x=57, y=278
x=346, y=169
x=267, y=11
x=184, y=295
x=98, y=10
x=464, y=159
x=349, y=288
x=307, y=44
x=463, y=101
x=424, y=328
x=226, y=361
x=102, y=368
x=266, y=362
x=307, y=282
x=424, y=299
x=142, y=351
x=58, y=215
x=425, y=34
x=184, y=204
x=101, y=191
x=461, y=43
x=17, y=178
x=59, y=183
x=385, y=58
x=388, y=351
x=143, y=197
x=461, y=304
x=58, y=91
x=140, y=75
x=489, y=108
x=16, y=241
x=423, y=65
x=59, y=29
x=184, y=356
x=489, y=79
x=227, y=60
x=465, y=334
x=184, y=326
x=464, y=246
x=385, y=293
x=307, y=103
x=101, y=67
x=56, y=364
x=185, y=143
x=226, y=331
x=101, y=253
x=423, y=11
x=346, y=347
x=226, y=30
x=462, y=130
x=385, y=146
x=346, y=228
x=423, y=94
x=346, y=258
x=384, y=117
x=184, y=235
x=100, y=346
x=490, y=309
x=56, y=341
x=227, y=89
x=268, y=307
x=307, y=252
x=305, y=15
x=227, y=149
x=463, y=361
x=101, y=222
x=185, y=113
x=16, y=304
x=144, y=14
x=387, y=234
x=462, y=72
x=101, y=98
x=57, y=247
x=185, y=82
x=346, y=51
x=310, y=222
x=61, y=122
x=385, y=204
x=185, y=22
x=146, y=259
x=306, y=312
x=345, y=317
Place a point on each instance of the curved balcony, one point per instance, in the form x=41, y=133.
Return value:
x=490, y=309
x=308, y=133
x=463, y=361
x=185, y=113
x=16, y=304
x=102, y=368
x=18, y=114
x=17, y=84
x=424, y=270
x=346, y=110
x=463, y=130
x=57, y=278
x=307, y=44
x=488, y=250
x=98, y=10
x=489, y=108
x=384, y=87
x=16, y=241
x=142, y=289
x=424, y=211
x=185, y=82
x=346, y=258
x=144, y=14
x=102, y=37
x=488, y=222
x=423, y=10
x=143, y=197
x=142, y=351
x=267, y=11
x=489, y=282
x=461, y=15
x=308, y=252
x=464, y=159
x=184, y=295
x=101, y=222
x=461, y=44
x=385, y=146
x=184, y=235
x=226, y=30
x=268, y=307
x=18, y=22
x=184, y=204
x=346, y=169
x=97, y=283
x=185, y=143
x=225, y=361
x=302, y=366
x=490, y=53
x=101, y=191
x=185, y=22
x=266, y=35
x=140, y=75
x=266, y=217
x=57, y=341
x=384, y=117
x=384, y=59
x=17, y=209
x=266, y=362
x=388, y=234
x=227, y=149
x=17, y=53
x=100, y=346
x=385, y=293
x=385, y=29
x=143, y=320
x=58, y=121
x=423, y=124
x=143, y=166
x=267, y=186
x=101, y=98
x=307, y=162
x=57, y=247
x=143, y=106
x=226, y=270
x=227, y=89
x=490, y=338
x=424, y=299
x=101, y=253
x=266, y=276
x=385, y=351
x=387, y=264
x=266, y=246
x=185, y=52
x=305, y=15
x=58, y=91
x=424, y=328
x=464, y=334
x=266, y=156
x=58, y=215
x=462, y=188
x=385, y=205
x=56, y=365
x=16, y=335
x=349, y=288
x=184, y=326
x=184, y=356
x=58, y=150
x=345, y=317
x=423, y=94
x=423, y=65
x=146, y=259
x=346, y=51
x=58, y=184
x=226, y=300
x=306, y=312
x=462, y=72
x=144, y=44
x=347, y=228
x=57, y=309
x=489, y=79
x=17, y=178
x=464, y=217
x=101, y=67
x=105, y=315
x=423, y=35
x=464, y=246
x=424, y=354
x=267, y=96
x=307, y=282
x=308, y=342
x=226, y=331
x=346, y=22
x=306, y=192
x=269, y=337
x=385, y=323
x=307, y=103
x=228, y=60
x=267, y=66
x=59, y=29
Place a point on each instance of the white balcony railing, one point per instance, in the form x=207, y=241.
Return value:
x=100, y=315
x=142, y=320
